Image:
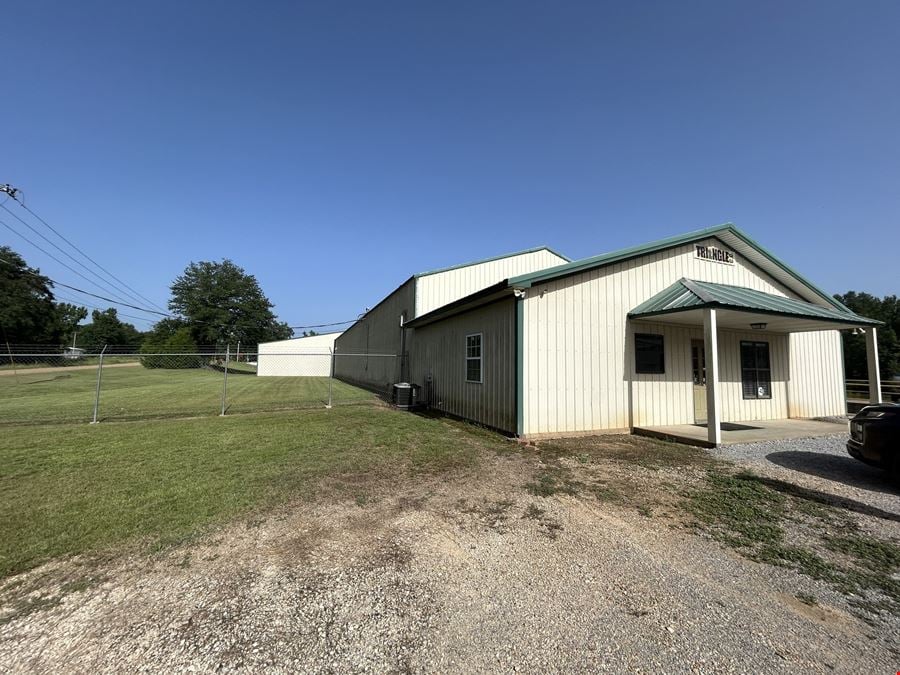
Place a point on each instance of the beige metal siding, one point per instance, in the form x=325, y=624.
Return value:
x=735, y=407
x=299, y=357
x=816, y=387
x=439, y=350
x=667, y=398
x=578, y=352
x=441, y=288
x=361, y=348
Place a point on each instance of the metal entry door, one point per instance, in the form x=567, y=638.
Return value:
x=698, y=372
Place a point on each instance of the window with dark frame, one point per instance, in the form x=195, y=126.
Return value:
x=756, y=371
x=473, y=358
x=649, y=356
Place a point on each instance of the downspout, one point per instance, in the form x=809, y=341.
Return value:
x=520, y=362
x=404, y=357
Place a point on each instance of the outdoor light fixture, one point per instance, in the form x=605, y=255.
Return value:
x=758, y=326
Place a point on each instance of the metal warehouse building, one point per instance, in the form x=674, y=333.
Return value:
x=703, y=328
x=308, y=356
x=374, y=351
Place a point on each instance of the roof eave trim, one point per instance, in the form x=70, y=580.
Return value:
x=790, y=270
x=491, y=259
x=528, y=280
x=465, y=304
x=849, y=322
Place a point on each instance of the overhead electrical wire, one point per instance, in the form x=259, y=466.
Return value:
x=116, y=299
x=106, y=271
x=50, y=255
x=166, y=315
x=79, y=303
x=105, y=285
x=142, y=309
x=323, y=325
x=93, y=295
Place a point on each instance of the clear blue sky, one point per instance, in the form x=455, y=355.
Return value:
x=334, y=148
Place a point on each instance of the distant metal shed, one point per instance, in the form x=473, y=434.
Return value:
x=298, y=357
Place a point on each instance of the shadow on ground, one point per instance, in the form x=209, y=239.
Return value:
x=840, y=469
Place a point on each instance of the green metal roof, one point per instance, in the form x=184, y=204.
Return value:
x=528, y=280
x=496, y=257
x=687, y=294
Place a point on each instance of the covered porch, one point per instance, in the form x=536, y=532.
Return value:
x=755, y=431
x=716, y=307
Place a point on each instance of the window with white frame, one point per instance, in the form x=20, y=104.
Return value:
x=473, y=358
x=756, y=370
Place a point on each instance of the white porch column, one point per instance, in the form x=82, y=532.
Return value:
x=711, y=347
x=872, y=360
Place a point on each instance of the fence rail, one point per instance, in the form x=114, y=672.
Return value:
x=41, y=388
x=858, y=391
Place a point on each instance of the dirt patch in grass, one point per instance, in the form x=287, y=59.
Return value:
x=641, y=474
x=640, y=451
x=23, y=596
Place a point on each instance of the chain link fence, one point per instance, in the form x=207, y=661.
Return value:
x=43, y=387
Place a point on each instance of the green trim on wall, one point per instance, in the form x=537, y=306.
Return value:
x=520, y=366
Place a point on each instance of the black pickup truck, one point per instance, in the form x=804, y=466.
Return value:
x=875, y=437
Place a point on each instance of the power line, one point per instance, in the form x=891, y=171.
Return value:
x=119, y=301
x=75, y=301
x=323, y=325
x=104, y=283
x=19, y=198
x=108, y=273
x=93, y=295
x=50, y=255
x=105, y=299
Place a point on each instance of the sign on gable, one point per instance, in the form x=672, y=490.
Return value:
x=713, y=254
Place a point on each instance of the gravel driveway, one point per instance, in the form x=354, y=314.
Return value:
x=470, y=573
x=818, y=464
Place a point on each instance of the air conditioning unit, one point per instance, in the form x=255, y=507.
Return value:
x=405, y=395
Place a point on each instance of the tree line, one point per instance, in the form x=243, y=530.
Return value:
x=886, y=309
x=212, y=304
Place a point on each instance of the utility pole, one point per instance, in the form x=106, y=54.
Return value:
x=8, y=189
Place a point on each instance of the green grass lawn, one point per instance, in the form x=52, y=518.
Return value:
x=141, y=393
x=69, y=489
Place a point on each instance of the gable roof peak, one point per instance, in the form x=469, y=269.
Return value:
x=728, y=233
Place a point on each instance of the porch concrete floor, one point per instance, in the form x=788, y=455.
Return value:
x=766, y=430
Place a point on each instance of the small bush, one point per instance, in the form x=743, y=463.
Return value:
x=177, y=352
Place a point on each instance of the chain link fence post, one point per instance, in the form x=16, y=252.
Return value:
x=330, y=377
x=99, y=379
x=225, y=380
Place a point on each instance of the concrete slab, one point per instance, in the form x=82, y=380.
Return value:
x=744, y=432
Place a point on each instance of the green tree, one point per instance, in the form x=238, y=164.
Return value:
x=69, y=316
x=27, y=311
x=221, y=303
x=163, y=347
x=106, y=329
x=885, y=309
x=163, y=330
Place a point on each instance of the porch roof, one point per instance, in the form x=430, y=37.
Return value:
x=686, y=298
